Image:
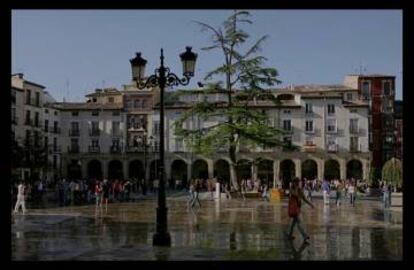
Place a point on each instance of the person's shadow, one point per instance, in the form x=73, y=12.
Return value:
x=297, y=253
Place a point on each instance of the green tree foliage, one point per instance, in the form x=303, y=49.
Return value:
x=374, y=176
x=243, y=80
x=392, y=172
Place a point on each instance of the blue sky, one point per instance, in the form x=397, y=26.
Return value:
x=72, y=52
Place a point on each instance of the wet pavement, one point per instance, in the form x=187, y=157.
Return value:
x=219, y=230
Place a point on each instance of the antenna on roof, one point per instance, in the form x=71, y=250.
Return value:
x=67, y=88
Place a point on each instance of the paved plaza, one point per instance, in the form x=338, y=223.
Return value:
x=220, y=230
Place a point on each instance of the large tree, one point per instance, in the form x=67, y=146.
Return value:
x=245, y=81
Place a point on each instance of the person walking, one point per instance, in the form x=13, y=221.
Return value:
x=197, y=189
x=21, y=196
x=386, y=195
x=227, y=189
x=339, y=189
x=325, y=190
x=191, y=189
x=98, y=194
x=243, y=189
x=294, y=206
x=105, y=193
x=351, y=192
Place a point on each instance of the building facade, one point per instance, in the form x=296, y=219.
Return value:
x=35, y=128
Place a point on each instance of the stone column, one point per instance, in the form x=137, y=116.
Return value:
x=125, y=168
x=104, y=168
x=365, y=170
x=276, y=171
x=298, y=168
x=321, y=169
x=189, y=166
x=342, y=168
x=84, y=167
x=210, y=167
x=254, y=169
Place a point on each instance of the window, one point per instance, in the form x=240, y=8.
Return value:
x=37, y=119
x=331, y=108
x=54, y=143
x=353, y=126
x=46, y=142
x=116, y=113
x=156, y=130
x=13, y=115
x=387, y=88
x=110, y=100
x=286, y=111
x=28, y=118
x=95, y=143
x=349, y=96
x=55, y=126
x=74, y=143
x=54, y=161
x=354, y=144
x=95, y=113
x=331, y=125
x=365, y=90
x=74, y=126
x=309, y=126
x=308, y=108
x=28, y=137
x=75, y=113
x=95, y=126
x=116, y=128
x=46, y=111
x=94, y=100
x=178, y=144
x=332, y=146
x=137, y=103
x=56, y=113
x=46, y=125
x=37, y=99
x=115, y=143
x=28, y=96
x=287, y=141
x=287, y=125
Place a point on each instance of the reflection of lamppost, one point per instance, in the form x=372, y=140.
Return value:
x=162, y=77
x=144, y=141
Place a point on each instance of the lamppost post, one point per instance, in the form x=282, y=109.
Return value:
x=162, y=77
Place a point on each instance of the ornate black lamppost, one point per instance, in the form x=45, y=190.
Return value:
x=162, y=77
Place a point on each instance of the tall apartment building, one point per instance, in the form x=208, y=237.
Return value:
x=379, y=91
x=32, y=108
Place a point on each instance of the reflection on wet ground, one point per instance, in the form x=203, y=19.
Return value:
x=226, y=230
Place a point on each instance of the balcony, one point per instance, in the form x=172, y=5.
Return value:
x=309, y=148
x=332, y=148
x=56, y=130
x=354, y=149
x=116, y=133
x=354, y=130
x=331, y=130
x=73, y=149
x=94, y=132
x=94, y=149
x=74, y=132
x=115, y=149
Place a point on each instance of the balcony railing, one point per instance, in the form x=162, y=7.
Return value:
x=94, y=149
x=332, y=148
x=73, y=149
x=309, y=148
x=74, y=132
x=331, y=130
x=28, y=122
x=141, y=149
x=94, y=132
x=117, y=134
x=354, y=149
x=354, y=130
x=115, y=149
x=56, y=130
